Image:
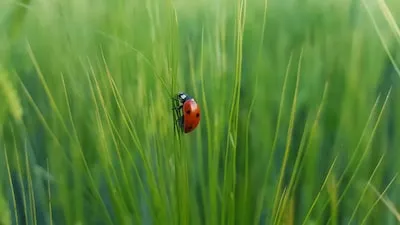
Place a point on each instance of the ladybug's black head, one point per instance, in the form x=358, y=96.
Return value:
x=183, y=97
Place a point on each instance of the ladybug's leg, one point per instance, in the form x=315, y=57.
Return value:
x=178, y=113
x=176, y=99
x=180, y=122
x=178, y=107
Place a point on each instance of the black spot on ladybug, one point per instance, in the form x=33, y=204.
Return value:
x=197, y=115
x=189, y=127
x=188, y=111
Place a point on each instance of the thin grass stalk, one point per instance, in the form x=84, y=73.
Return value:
x=259, y=61
x=313, y=132
x=356, y=149
x=363, y=134
x=298, y=163
x=49, y=195
x=389, y=18
x=386, y=201
x=104, y=161
x=288, y=141
x=112, y=129
x=20, y=172
x=139, y=53
x=229, y=186
x=129, y=125
x=378, y=199
x=182, y=216
x=48, y=92
x=246, y=156
x=11, y=185
x=100, y=105
x=122, y=108
x=368, y=147
x=40, y=115
x=305, y=221
x=364, y=190
x=205, y=114
x=210, y=151
x=273, y=148
x=31, y=193
x=294, y=174
x=86, y=165
x=241, y=20
x=381, y=38
x=366, y=150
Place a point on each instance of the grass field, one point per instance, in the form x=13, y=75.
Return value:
x=300, y=118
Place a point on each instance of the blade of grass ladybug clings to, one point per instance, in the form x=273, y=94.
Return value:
x=181, y=174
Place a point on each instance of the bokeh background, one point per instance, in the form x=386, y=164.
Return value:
x=299, y=101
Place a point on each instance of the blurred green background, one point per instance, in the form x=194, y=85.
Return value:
x=300, y=117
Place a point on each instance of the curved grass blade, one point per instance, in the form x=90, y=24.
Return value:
x=385, y=200
x=288, y=141
x=380, y=198
x=384, y=44
x=364, y=190
x=276, y=135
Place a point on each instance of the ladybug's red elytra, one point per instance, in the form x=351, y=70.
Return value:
x=188, y=111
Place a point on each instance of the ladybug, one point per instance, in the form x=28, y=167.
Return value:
x=188, y=112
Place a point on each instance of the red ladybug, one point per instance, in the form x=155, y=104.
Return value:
x=188, y=111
